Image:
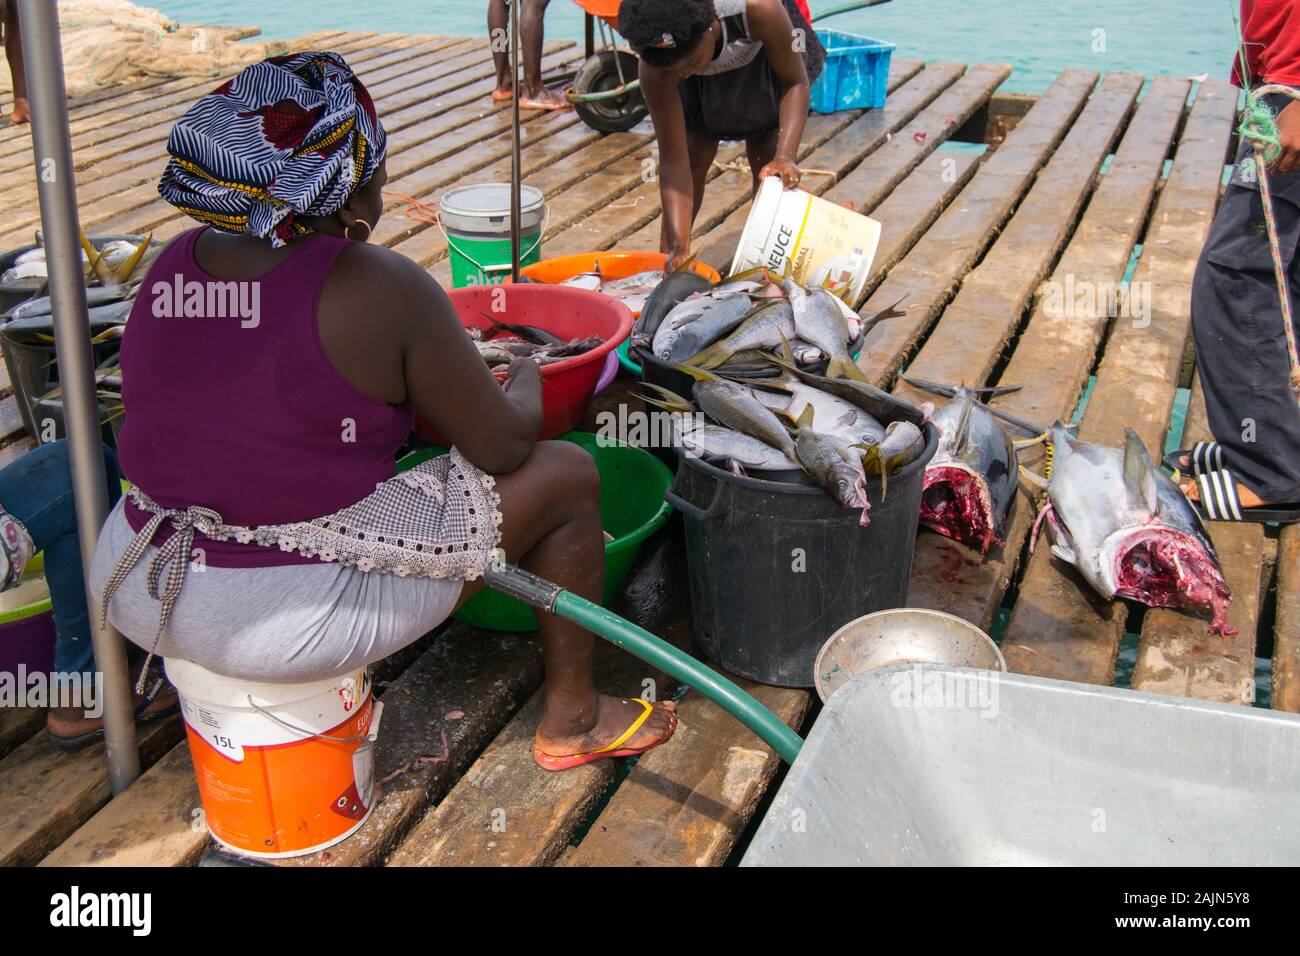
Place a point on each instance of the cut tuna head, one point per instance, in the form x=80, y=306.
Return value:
x=1162, y=567
x=956, y=503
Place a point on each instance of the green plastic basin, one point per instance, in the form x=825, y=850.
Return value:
x=632, y=507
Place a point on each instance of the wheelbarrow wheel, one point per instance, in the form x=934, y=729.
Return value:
x=599, y=74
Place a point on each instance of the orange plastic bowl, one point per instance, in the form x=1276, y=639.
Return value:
x=568, y=386
x=613, y=265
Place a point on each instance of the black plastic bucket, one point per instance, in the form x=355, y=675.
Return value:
x=776, y=567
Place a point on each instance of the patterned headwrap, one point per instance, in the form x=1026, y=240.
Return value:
x=291, y=136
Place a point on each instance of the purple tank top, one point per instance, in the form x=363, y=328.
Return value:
x=232, y=404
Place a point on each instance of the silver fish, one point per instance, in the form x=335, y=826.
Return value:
x=765, y=326
x=697, y=322
x=835, y=466
x=971, y=481
x=729, y=448
x=820, y=321
x=1129, y=530
x=590, y=281
x=737, y=407
x=645, y=282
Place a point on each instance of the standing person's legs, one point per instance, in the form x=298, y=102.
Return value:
x=1241, y=351
x=499, y=38
x=14, y=53
x=551, y=527
x=534, y=94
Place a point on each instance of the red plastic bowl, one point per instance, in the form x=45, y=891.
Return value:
x=568, y=386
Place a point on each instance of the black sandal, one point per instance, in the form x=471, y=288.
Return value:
x=82, y=741
x=1200, y=459
x=1220, y=501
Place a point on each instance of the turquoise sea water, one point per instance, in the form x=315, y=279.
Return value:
x=1038, y=37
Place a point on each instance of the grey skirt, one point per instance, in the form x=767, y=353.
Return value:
x=289, y=624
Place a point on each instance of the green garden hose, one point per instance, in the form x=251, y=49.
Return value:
x=545, y=596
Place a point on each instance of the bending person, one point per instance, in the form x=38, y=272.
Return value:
x=714, y=70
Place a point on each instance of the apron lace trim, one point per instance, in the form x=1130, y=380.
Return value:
x=393, y=530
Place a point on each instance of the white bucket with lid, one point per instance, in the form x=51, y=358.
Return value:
x=476, y=222
x=818, y=242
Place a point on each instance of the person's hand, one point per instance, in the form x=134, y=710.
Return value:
x=784, y=168
x=676, y=259
x=522, y=375
x=1288, y=125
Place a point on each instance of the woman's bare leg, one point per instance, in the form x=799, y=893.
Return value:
x=551, y=527
x=535, y=95
x=14, y=53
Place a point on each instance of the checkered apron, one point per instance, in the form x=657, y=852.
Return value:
x=439, y=520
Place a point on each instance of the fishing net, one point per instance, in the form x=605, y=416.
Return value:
x=114, y=41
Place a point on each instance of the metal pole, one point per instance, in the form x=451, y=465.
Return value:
x=516, y=161
x=57, y=190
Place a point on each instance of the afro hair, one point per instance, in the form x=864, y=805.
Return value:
x=662, y=32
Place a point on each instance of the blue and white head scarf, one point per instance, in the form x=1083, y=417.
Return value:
x=289, y=137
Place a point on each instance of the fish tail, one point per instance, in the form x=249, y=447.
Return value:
x=665, y=398
x=712, y=357
x=845, y=367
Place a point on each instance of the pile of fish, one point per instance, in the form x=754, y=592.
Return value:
x=113, y=263
x=501, y=343
x=839, y=431
x=1129, y=529
x=737, y=325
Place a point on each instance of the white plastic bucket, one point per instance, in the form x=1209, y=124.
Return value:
x=816, y=241
x=283, y=770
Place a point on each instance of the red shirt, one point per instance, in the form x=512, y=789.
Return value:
x=1271, y=30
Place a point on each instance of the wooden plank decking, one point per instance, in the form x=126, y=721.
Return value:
x=1073, y=187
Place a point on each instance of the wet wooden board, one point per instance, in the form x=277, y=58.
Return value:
x=932, y=270
x=439, y=105
x=982, y=318
x=110, y=159
x=137, y=108
x=1286, y=633
x=914, y=206
x=632, y=222
x=1051, y=360
x=49, y=793
x=18, y=725
x=686, y=803
x=870, y=156
x=507, y=811
x=461, y=691
x=156, y=821
x=1176, y=653
x=727, y=202
x=1069, y=630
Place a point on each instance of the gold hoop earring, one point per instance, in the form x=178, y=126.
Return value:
x=348, y=231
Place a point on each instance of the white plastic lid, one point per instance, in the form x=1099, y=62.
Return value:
x=472, y=207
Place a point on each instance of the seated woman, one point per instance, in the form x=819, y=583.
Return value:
x=273, y=364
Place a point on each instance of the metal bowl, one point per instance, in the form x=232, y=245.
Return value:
x=903, y=635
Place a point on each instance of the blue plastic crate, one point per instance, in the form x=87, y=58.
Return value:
x=856, y=76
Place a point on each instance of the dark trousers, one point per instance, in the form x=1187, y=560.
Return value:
x=1241, y=349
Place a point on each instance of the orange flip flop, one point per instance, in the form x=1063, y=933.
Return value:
x=551, y=762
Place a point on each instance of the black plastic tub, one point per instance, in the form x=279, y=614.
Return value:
x=776, y=567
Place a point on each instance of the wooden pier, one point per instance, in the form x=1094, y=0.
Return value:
x=1075, y=186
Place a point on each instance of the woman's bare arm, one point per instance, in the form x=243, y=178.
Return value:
x=769, y=22
x=391, y=330
x=676, y=185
